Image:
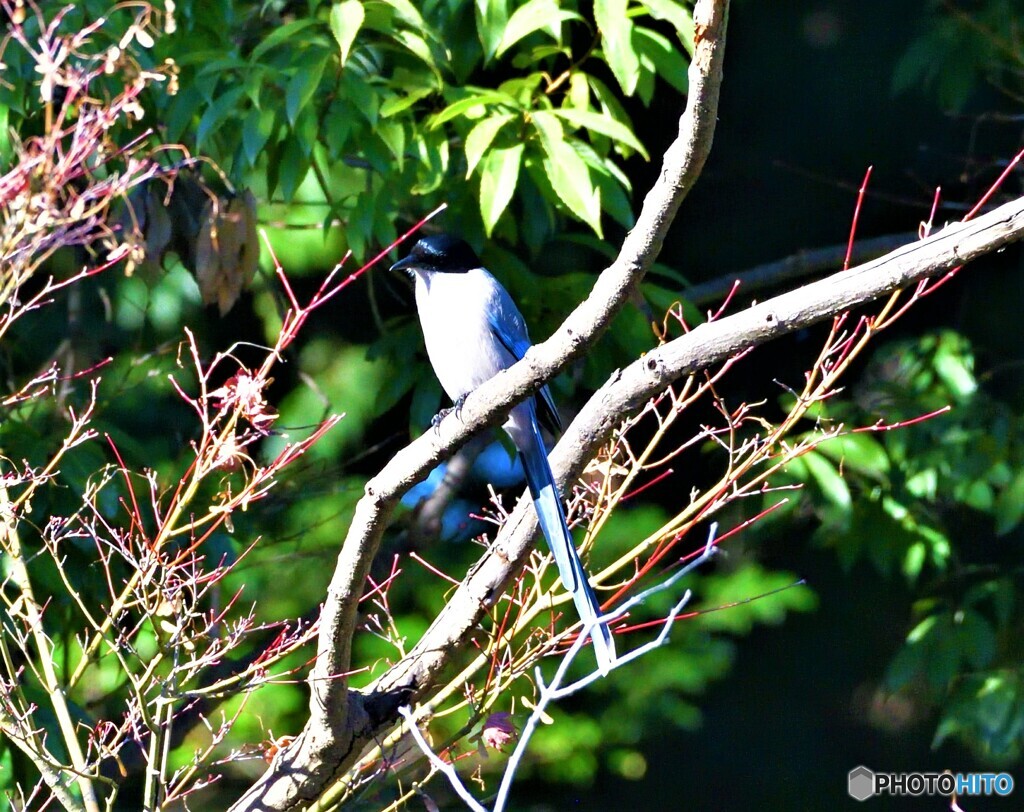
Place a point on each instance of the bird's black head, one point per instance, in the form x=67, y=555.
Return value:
x=439, y=253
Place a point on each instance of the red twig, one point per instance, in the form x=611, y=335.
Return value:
x=856, y=217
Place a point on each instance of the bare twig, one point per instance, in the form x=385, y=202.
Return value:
x=555, y=690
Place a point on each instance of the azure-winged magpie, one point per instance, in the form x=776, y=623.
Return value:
x=473, y=330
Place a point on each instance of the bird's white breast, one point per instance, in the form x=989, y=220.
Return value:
x=453, y=310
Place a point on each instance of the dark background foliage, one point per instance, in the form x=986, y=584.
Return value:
x=815, y=93
x=911, y=657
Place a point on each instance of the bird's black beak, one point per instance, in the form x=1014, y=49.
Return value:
x=406, y=264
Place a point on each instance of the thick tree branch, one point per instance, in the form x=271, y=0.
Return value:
x=629, y=389
x=343, y=722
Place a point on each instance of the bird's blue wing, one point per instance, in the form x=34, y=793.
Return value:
x=509, y=329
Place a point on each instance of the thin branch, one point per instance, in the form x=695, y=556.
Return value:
x=798, y=266
x=34, y=616
x=446, y=768
x=556, y=690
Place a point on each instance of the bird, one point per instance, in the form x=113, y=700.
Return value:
x=473, y=330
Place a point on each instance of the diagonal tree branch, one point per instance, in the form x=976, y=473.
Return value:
x=629, y=389
x=342, y=722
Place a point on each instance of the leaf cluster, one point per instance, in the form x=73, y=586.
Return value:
x=511, y=113
x=938, y=503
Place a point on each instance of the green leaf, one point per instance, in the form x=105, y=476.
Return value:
x=603, y=124
x=859, y=452
x=346, y=19
x=534, y=16
x=399, y=104
x=256, y=78
x=337, y=125
x=462, y=106
x=408, y=12
x=579, y=91
x=675, y=13
x=360, y=223
x=568, y=172
x=616, y=203
x=499, y=174
x=491, y=22
x=217, y=112
x=1009, y=509
x=617, y=37
x=379, y=157
x=432, y=149
x=481, y=136
x=610, y=104
x=5, y=136
x=938, y=544
x=306, y=130
x=833, y=487
x=918, y=66
x=923, y=629
x=612, y=185
x=392, y=133
x=528, y=57
x=274, y=150
x=666, y=61
x=977, y=640
x=523, y=90
x=418, y=45
x=954, y=364
x=986, y=710
x=303, y=85
x=294, y=166
x=645, y=80
x=182, y=110
x=255, y=132
x=228, y=63
x=537, y=222
x=363, y=97
x=281, y=35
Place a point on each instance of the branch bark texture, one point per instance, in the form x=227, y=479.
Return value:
x=627, y=390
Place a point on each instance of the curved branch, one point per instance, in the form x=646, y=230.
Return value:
x=343, y=722
x=325, y=750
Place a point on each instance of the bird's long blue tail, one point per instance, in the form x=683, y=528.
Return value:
x=551, y=517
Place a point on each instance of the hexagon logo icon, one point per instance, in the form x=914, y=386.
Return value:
x=860, y=783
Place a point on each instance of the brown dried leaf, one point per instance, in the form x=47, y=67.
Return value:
x=207, y=255
x=250, y=257
x=158, y=233
x=227, y=251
